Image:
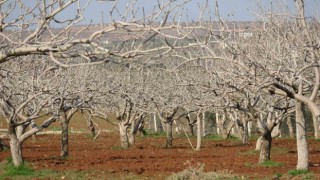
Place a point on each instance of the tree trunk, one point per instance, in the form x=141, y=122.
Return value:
x=16, y=152
x=276, y=132
x=249, y=128
x=91, y=126
x=290, y=127
x=191, y=129
x=191, y=124
x=19, y=130
x=155, y=122
x=245, y=135
x=302, y=145
x=198, y=132
x=123, y=136
x=15, y=147
x=64, y=138
x=265, y=149
x=131, y=136
x=259, y=144
x=316, y=127
x=204, y=124
x=217, y=123
x=33, y=125
x=169, y=135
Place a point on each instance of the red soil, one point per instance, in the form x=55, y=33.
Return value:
x=149, y=158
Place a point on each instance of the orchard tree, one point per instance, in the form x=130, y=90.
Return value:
x=27, y=95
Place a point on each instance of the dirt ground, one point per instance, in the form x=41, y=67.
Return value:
x=149, y=158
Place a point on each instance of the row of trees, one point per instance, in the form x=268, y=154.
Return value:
x=261, y=72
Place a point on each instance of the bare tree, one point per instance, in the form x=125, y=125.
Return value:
x=25, y=97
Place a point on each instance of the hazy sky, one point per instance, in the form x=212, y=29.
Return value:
x=239, y=10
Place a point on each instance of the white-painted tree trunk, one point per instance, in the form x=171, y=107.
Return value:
x=249, y=128
x=155, y=122
x=316, y=127
x=19, y=130
x=199, y=133
x=131, y=135
x=15, y=148
x=123, y=136
x=217, y=123
x=276, y=131
x=203, y=124
x=259, y=144
x=302, y=145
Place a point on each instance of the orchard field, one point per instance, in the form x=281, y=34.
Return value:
x=104, y=158
x=165, y=89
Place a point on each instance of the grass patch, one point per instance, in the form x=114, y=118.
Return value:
x=253, y=137
x=249, y=153
x=270, y=163
x=301, y=174
x=278, y=150
x=9, y=171
x=22, y=170
x=89, y=136
x=214, y=137
x=235, y=138
x=295, y=172
x=154, y=134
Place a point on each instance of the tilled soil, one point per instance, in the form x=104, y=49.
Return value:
x=149, y=158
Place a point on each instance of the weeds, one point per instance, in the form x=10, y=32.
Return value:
x=296, y=172
x=24, y=171
x=215, y=137
x=271, y=163
x=196, y=172
x=154, y=134
x=9, y=170
x=279, y=150
x=301, y=174
x=249, y=152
